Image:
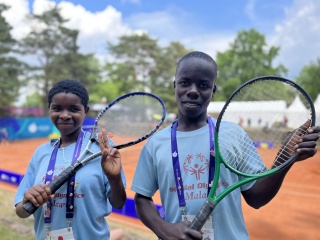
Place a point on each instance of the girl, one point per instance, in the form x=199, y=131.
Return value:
x=78, y=209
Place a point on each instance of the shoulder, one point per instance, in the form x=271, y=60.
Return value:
x=161, y=134
x=50, y=144
x=44, y=149
x=160, y=138
x=226, y=125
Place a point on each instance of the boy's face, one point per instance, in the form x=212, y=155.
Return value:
x=67, y=113
x=194, y=83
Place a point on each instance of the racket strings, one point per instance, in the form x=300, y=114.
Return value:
x=288, y=148
x=253, y=132
x=131, y=118
x=241, y=156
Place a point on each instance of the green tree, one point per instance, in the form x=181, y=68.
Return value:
x=140, y=64
x=55, y=53
x=33, y=100
x=248, y=57
x=134, y=59
x=162, y=76
x=83, y=67
x=308, y=78
x=10, y=67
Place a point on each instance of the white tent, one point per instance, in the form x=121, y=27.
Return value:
x=251, y=114
x=297, y=111
x=317, y=108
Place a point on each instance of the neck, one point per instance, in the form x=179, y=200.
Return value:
x=191, y=124
x=66, y=140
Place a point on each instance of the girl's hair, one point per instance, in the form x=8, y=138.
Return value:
x=70, y=86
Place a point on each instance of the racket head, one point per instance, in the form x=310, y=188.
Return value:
x=131, y=118
x=279, y=111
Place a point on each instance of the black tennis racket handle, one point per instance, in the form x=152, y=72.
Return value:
x=54, y=185
x=64, y=176
x=203, y=215
x=29, y=207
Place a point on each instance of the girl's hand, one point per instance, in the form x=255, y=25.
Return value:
x=111, y=158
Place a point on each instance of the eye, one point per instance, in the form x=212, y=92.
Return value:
x=184, y=83
x=75, y=109
x=54, y=108
x=204, y=84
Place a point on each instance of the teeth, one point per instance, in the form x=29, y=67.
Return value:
x=191, y=104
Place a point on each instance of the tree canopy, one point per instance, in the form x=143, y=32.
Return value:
x=308, y=78
x=248, y=57
x=135, y=62
x=55, y=52
x=10, y=67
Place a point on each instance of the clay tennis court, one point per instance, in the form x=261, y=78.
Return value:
x=293, y=214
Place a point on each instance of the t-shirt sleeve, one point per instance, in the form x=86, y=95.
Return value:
x=145, y=177
x=26, y=182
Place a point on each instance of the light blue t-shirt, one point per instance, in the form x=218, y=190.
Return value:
x=155, y=172
x=91, y=193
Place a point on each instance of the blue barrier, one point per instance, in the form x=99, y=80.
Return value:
x=10, y=177
x=26, y=128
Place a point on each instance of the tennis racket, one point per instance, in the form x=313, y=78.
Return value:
x=128, y=120
x=269, y=107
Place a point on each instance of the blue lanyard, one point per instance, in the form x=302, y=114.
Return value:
x=70, y=191
x=176, y=164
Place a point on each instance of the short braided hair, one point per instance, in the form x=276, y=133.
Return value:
x=70, y=86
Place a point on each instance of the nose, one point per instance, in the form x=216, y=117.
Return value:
x=193, y=92
x=64, y=114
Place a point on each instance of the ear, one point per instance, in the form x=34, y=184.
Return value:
x=214, y=91
x=87, y=110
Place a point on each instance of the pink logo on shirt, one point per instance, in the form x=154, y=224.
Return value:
x=196, y=165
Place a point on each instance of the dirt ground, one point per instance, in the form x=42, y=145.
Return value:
x=293, y=214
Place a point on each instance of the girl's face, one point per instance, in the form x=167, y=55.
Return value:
x=67, y=113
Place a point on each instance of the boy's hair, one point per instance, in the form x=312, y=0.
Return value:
x=201, y=55
x=69, y=86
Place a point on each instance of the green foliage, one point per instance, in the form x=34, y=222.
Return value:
x=248, y=57
x=10, y=67
x=309, y=78
x=33, y=100
x=140, y=64
x=134, y=60
x=54, y=47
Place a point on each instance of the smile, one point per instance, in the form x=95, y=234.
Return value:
x=189, y=104
x=65, y=124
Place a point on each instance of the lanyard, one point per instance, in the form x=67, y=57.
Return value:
x=176, y=164
x=70, y=191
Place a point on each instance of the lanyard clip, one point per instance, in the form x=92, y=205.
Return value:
x=183, y=211
x=48, y=234
x=69, y=225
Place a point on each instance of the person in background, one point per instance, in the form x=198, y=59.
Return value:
x=78, y=209
x=4, y=136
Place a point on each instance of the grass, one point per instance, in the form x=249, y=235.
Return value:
x=13, y=227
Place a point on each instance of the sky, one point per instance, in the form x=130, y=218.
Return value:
x=204, y=25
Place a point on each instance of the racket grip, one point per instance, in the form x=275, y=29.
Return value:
x=54, y=185
x=203, y=215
